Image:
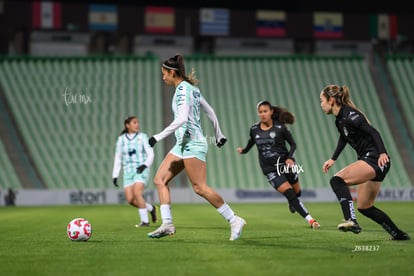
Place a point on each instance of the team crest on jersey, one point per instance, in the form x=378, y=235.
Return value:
x=346, y=131
x=272, y=134
x=196, y=94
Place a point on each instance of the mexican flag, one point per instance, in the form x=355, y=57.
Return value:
x=383, y=26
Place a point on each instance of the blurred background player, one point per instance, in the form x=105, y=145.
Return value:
x=190, y=150
x=134, y=154
x=270, y=135
x=367, y=172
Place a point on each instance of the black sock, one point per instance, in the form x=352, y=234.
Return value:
x=382, y=219
x=295, y=202
x=344, y=197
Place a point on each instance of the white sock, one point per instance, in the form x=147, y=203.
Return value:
x=226, y=212
x=309, y=218
x=143, y=214
x=166, y=216
x=149, y=207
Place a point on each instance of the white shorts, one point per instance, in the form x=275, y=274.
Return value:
x=131, y=178
x=191, y=149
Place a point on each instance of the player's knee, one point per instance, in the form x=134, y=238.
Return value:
x=337, y=183
x=200, y=190
x=159, y=181
x=290, y=194
x=130, y=200
x=299, y=193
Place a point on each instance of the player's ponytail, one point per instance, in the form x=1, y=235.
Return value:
x=176, y=63
x=126, y=122
x=282, y=115
x=341, y=95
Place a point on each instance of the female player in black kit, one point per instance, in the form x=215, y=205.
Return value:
x=276, y=162
x=368, y=171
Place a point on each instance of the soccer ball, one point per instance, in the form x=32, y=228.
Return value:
x=79, y=229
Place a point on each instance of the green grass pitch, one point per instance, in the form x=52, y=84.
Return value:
x=274, y=242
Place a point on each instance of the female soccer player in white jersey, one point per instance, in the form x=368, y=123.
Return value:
x=189, y=152
x=134, y=154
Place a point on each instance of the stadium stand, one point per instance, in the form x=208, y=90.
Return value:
x=231, y=85
x=72, y=139
x=8, y=177
x=70, y=111
x=401, y=70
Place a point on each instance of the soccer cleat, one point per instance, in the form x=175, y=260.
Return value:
x=166, y=229
x=350, y=225
x=401, y=236
x=142, y=224
x=153, y=214
x=236, y=228
x=292, y=209
x=314, y=224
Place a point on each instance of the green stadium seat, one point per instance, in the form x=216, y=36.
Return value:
x=73, y=145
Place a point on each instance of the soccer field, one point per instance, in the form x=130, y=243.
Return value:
x=274, y=242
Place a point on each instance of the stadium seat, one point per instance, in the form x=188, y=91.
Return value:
x=73, y=144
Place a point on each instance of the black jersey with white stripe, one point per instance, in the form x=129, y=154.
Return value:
x=355, y=130
x=271, y=145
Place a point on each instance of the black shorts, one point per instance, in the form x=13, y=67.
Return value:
x=380, y=172
x=276, y=179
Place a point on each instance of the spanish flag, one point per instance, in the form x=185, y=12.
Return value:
x=159, y=19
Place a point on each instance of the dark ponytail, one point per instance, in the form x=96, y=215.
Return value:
x=282, y=115
x=176, y=63
x=127, y=121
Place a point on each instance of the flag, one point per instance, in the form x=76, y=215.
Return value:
x=327, y=25
x=46, y=15
x=383, y=26
x=270, y=23
x=159, y=19
x=103, y=17
x=214, y=21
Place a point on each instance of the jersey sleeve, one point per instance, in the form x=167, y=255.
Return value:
x=291, y=141
x=362, y=124
x=181, y=116
x=339, y=147
x=250, y=143
x=211, y=114
x=117, y=159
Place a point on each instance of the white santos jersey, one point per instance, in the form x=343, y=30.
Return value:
x=187, y=94
x=186, y=106
x=132, y=150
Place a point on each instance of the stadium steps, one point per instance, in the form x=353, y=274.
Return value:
x=234, y=85
x=18, y=169
x=8, y=176
x=73, y=145
x=401, y=69
x=397, y=119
